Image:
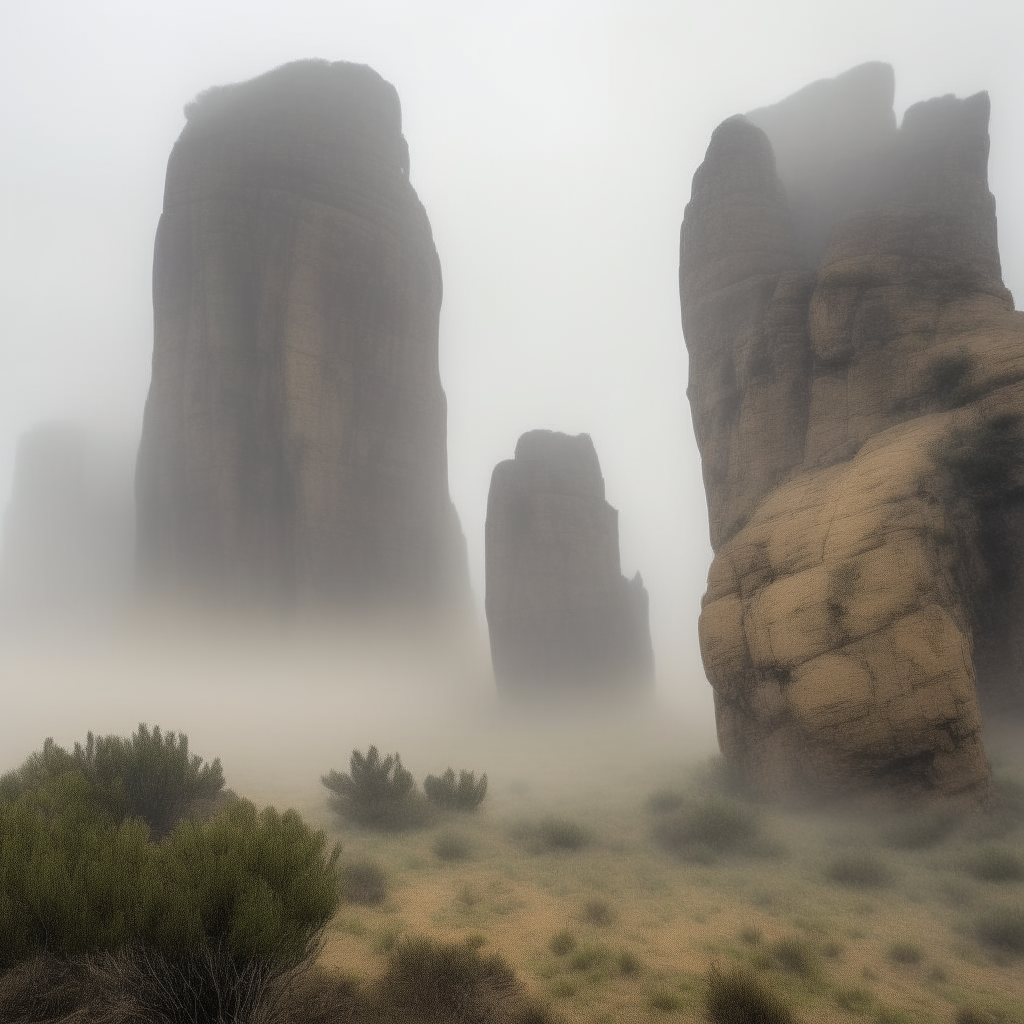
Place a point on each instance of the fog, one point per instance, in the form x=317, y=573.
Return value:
x=552, y=144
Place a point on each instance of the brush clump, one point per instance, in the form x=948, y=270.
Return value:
x=377, y=792
x=464, y=794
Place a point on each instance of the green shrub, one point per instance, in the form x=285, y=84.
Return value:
x=1002, y=929
x=667, y=1002
x=798, y=956
x=856, y=1000
x=445, y=981
x=994, y=864
x=921, y=830
x=453, y=846
x=149, y=775
x=364, y=882
x=377, y=792
x=739, y=996
x=465, y=795
x=709, y=828
x=598, y=912
x=590, y=958
x=976, y=1015
x=858, y=870
x=629, y=963
x=551, y=834
x=905, y=952
x=563, y=943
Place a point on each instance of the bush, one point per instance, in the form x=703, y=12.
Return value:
x=661, y=801
x=563, y=943
x=858, y=870
x=453, y=846
x=364, y=882
x=741, y=997
x=1002, y=929
x=197, y=926
x=629, y=963
x=798, y=956
x=919, y=831
x=708, y=828
x=445, y=981
x=598, y=912
x=905, y=952
x=465, y=795
x=551, y=834
x=993, y=864
x=377, y=792
x=590, y=958
x=149, y=776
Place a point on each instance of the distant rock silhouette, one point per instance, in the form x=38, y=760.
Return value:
x=562, y=619
x=294, y=441
x=68, y=532
x=856, y=384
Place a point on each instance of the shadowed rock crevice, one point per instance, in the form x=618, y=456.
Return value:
x=563, y=621
x=856, y=374
x=294, y=441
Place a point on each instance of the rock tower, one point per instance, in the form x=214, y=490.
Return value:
x=856, y=385
x=563, y=620
x=294, y=440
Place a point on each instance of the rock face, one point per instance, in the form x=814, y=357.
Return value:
x=562, y=619
x=67, y=544
x=856, y=385
x=294, y=441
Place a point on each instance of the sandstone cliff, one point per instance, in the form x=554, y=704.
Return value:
x=294, y=441
x=562, y=618
x=856, y=384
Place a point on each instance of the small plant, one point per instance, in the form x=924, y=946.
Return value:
x=856, y=1000
x=739, y=996
x=905, y=953
x=378, y=792
x=667, y=1002
x=562, y=943
x=751, y=936
x=713, y=826
x=862, y=870
x=629, y=963
x=976, y=1015
x=798, y=956
x=920, y=831
x=453, y=846
x=598, y=912
x=1002, y=930
x=552, y=834
x=464, y=795
x=364, y=882
x=994, y=864
x=445, y=981
x=590, y=958
x=662, y=801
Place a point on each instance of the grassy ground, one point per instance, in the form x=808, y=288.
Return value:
x=835, y=911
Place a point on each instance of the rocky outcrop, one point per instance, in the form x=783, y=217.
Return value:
x=856, y=385
x=67, y=541
x=562, y=619
x=294, y=442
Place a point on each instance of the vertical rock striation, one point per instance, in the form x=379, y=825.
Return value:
x=294, y=441
x=562, y=619
x=856, y=385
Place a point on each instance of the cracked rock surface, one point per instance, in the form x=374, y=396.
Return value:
x=856, y=386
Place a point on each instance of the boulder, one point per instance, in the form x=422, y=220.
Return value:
x=563, y=620
x=294, y=439
x=856, y=385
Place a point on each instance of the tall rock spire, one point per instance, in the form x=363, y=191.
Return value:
x=294, y=441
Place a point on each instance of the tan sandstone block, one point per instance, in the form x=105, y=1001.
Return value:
x=723, y=643
x=788, y=622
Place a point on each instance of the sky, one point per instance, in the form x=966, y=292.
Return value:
x=552, y=144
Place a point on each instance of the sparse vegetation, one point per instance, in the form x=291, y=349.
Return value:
x=598, y=912
x=996, y=864
x=562, y=943
x=364, y=882
x=796, y=955
x=709, y=828
x=739, y=996
x=377, y=792
x=1002, y=929
x=858, y=869
x=452, y=846
x=919, y=830
x=905, y=952
x=466, y=794
x=552, y=834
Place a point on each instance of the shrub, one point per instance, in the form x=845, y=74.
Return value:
x=856, y=1000
x=905, y=952
x=465, y=795
x=993, y=864
x=1002, y=929
x=378, y=792
x=563, y=943
x=446, y=981
x=667, y=1002
x=149, y=775
x=453, y=846
x=661, y=801
x=551, y=833
x=921, y=830
x=975, y=1015
x=364, y=882
x=590, y=958
x=798, y=956
x=858, y=870
x=598, y=912
x=629, y=963
x=740, y=997
x=708, y=828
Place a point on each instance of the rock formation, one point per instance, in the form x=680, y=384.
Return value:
x=562, y=619
x=294, y=441
x=67, y=543
x=856, y=384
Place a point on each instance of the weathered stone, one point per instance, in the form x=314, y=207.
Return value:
x=68, y=528
x=294, y=441
x=856, y=384
x=562, y=619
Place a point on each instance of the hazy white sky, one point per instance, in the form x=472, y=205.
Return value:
x=552, y=144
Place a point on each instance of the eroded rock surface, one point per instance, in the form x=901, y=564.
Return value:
x=856, y=385
x=562, y=618
x=294, y=442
